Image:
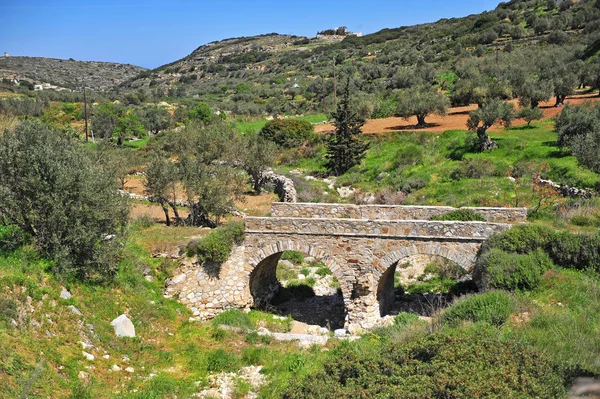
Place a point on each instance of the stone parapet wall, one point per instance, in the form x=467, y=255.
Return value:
x=390, y=212
x=420, y=229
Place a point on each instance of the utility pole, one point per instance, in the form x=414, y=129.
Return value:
x=334, y=86
x=85, y=114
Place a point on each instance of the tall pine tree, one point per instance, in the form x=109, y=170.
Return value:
x=344, y=148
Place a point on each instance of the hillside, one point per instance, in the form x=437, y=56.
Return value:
x=67, y=73
x=287, y=74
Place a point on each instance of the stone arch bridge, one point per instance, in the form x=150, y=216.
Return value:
x=360, y=244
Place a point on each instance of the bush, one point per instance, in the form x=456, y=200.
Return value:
x=404, y=319
x=293, y=256
x=578, y=251
x=497, y=269
x=8, y=310
x=461, y=215
x=476, y=364
x=11, y=238
x=474, y=168
x=217, y=245
x=520, y=239
x=491, y=307
x=288, y=133
x=70, y=206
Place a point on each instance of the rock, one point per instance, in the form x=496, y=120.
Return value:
x=86, y=345
x=340, y=332
x=115, y=368
x=88, y=356
x=299, y=328
x=310, y=259
x=301, y=277
x=129, y=369
x=304, y=340
x=123, y=326
x=286, y=263
x=106, y=356
x=83, y=376
x=64, y=294
x=125, y=358
x=179, y=278
x=355, y=329
x=149, y=278
x=75, y=310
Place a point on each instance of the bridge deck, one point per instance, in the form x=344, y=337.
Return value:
x=386, y=229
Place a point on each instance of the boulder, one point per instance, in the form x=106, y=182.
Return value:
x=123, y=326
x=64, y=294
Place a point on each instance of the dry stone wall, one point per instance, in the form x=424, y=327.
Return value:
x=390, y=212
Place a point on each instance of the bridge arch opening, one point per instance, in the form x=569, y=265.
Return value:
x=300, y=285
x=421, y=284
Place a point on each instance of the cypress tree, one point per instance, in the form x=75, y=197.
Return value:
x=344, y=148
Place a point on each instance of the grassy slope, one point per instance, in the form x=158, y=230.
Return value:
x=177, y=351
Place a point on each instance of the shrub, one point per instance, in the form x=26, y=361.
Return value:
x=520, y=239
x=476, y=364
x=578, y=251
x=285, y=273
x=143, y=221
x=11, y=238
x=491, y=307
x=461, y=215
x=474, y=168
x=404, y=318
x=52, y=190
x=323, y=271
x=293, y=256
x=216, y=245
x=234, y=318
x=8, y=310
x=288, y=133
x=511, y=271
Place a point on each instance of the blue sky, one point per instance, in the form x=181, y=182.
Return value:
x=152, y=33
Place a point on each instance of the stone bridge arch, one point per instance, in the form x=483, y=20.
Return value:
x=462, y=253
x=262, y=265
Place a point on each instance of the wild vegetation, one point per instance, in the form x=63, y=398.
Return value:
x=193, y=141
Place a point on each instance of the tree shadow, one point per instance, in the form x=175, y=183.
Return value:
x=523, y=127
x=412, y=127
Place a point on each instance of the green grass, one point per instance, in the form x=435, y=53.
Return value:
x=247, y=127
x=564, y=320
x=137, y=144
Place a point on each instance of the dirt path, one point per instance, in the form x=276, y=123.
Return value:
x=456, y=119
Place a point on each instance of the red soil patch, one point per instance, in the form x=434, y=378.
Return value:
x=456, y=119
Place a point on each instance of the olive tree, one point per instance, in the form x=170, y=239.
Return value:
x=492, y=112
x=155, y=119
x=54, y=192
x=258, y=156
x=578, y=129
x=421, y=101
